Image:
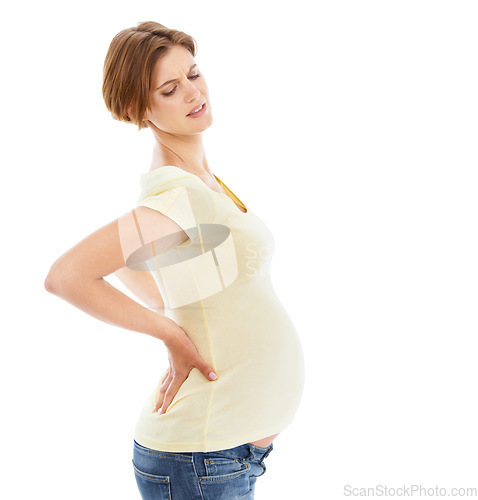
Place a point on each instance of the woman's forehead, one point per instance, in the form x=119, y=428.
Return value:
x=175, y=61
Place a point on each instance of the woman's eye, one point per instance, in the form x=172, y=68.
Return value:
x=193, y=77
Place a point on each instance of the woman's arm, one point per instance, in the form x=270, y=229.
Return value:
x=77, y=276
x=143, y=286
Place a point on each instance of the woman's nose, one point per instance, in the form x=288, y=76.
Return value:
x=193, y=93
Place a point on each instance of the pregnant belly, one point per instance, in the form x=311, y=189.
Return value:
x=264, y=442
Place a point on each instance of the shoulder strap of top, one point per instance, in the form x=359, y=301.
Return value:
x=235, y=198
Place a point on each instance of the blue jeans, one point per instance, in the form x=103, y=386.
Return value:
x=215, y=475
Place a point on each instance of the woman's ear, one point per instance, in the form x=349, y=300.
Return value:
x=146, y=116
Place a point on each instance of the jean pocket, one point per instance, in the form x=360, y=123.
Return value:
x=258, y=465
x=152, y=486
x=258, y=472
x=223, y=469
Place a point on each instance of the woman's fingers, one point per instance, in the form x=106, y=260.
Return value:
x=183, y=357
x=166, y=375
x=162, y=390
x=171, y=392
x=160, y=399
x=205, y=369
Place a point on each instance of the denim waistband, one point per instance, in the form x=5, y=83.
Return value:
x=246, y=450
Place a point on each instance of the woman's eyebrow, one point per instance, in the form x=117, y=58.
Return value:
x=175, y=79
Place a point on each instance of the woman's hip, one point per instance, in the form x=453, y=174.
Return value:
x=224, y=474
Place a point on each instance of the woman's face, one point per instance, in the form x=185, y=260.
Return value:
x=172, y=102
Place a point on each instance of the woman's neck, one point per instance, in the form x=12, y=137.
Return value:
x=186, y=152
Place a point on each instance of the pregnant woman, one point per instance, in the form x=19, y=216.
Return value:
x=199, y=258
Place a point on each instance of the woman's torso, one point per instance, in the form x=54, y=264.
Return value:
x=236, y=322
x=217, y=186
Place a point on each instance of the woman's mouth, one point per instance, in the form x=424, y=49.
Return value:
x=198, y=112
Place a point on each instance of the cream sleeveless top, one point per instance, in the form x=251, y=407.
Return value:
x=217, y=287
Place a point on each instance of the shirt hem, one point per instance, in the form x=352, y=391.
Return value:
x=200, y=446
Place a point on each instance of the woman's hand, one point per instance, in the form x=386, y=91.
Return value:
x=183, y=357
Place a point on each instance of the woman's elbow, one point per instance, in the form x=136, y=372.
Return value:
x=52, y=281
x=57, y=278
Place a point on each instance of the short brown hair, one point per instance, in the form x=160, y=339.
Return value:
x=129, y=64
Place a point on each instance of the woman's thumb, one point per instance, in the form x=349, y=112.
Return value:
x=208, y=372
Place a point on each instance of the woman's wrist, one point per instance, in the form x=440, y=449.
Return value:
x=166, y=330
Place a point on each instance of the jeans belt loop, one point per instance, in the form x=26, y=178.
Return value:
x=265, y=454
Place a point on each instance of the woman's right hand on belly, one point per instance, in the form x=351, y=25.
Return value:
x=183, y=357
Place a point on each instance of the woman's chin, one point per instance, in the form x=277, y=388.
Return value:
x=202, y=125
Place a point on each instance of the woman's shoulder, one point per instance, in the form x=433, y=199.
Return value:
x=165, y=178
x=175, y=188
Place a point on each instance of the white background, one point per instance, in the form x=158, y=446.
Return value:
x=350, y=128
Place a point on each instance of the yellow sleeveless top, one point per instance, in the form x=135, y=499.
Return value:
x=217, y=287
